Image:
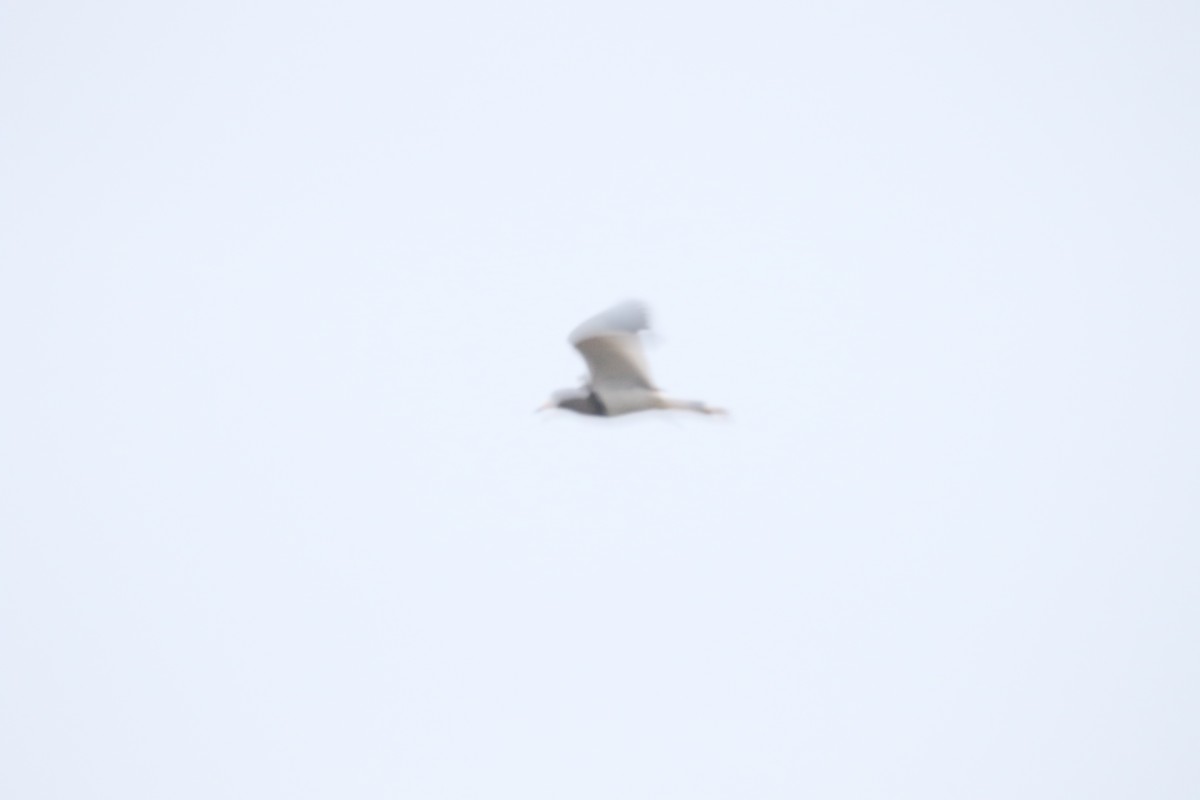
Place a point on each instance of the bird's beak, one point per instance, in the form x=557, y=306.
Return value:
x=546, y=406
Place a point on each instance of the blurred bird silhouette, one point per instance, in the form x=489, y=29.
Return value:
x=618, y=380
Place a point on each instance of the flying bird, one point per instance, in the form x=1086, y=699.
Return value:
x=618, y=380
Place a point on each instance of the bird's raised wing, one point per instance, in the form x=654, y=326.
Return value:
x=610, y=345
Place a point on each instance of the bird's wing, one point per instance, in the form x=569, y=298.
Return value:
x=610, y=345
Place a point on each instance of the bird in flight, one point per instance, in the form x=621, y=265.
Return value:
x=618, y=380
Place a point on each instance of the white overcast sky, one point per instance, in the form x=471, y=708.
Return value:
x=281, y=284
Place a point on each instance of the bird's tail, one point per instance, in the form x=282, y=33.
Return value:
x=673, y=404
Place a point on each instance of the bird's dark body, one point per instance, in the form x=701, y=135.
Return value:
x=589, y=404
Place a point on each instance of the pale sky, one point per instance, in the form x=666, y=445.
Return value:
x=282, y=283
